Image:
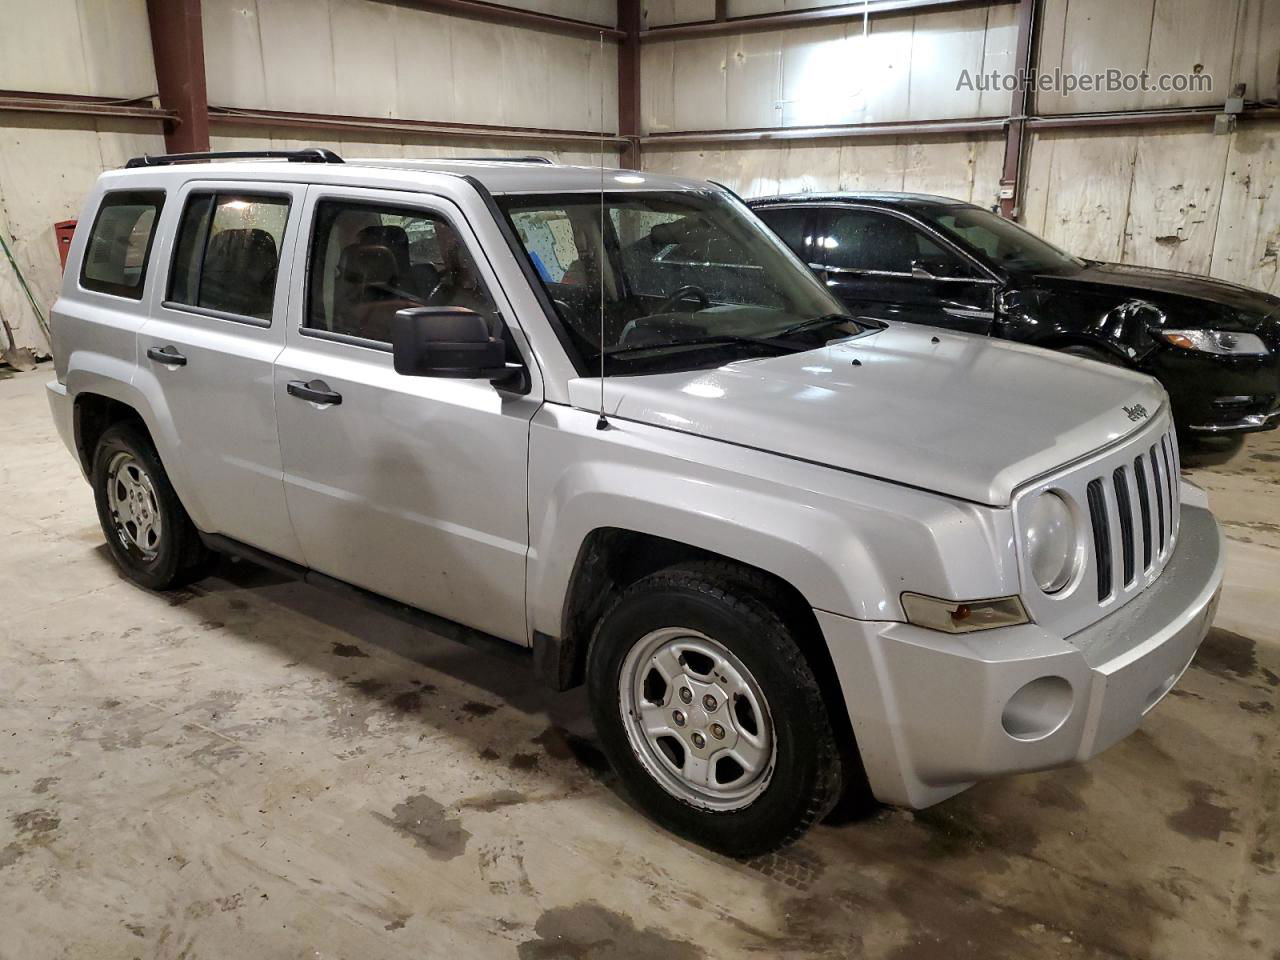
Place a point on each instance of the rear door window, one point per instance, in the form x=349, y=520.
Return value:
x=228, y=253
x=115, y=259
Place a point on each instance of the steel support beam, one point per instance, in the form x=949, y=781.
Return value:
x=1019, y=107
x=629, y=82
x=514, y=16
x=177, y=44
x=991, y=125
x=803, y=18
x=27, y=101
x=427, y=128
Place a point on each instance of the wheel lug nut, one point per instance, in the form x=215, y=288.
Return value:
x=709, y=702
x=686, y=695
x=717, y=731
x=678, y=717
x=699, y=741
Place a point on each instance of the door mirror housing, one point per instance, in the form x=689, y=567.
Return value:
x=451, y=342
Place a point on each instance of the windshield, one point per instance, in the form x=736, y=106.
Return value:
x=686, y=277
x=1004, y=243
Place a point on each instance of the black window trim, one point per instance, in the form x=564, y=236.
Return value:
x=193, y=308
x=106, y=288
x=350, y=340
x=989, y=275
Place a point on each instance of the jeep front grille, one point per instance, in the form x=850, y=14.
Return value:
x=1126, y=501
x=1114, y=519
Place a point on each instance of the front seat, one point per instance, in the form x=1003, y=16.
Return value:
x=366, y=297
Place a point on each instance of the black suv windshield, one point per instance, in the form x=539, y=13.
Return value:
x=1003, y=242
x=686, y=277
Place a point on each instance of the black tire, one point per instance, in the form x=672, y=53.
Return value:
x=723, y=602
x=179, y=557
x=1092, y=353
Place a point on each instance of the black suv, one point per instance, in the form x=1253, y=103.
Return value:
x=1215, y=346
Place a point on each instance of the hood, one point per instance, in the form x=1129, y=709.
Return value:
x=961, y=415
x=1242, y=306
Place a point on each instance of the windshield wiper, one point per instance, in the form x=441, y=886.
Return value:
x=826, y=320
x=713, y=341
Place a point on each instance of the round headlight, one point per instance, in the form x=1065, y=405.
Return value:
x=1049, y=536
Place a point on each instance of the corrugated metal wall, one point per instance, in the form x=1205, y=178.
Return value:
x=1173, y=196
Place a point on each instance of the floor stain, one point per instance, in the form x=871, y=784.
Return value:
x=588, y=931
x=43, y=784
x=348, y=650
x=523, y=761
x=429, y=825
x=1201, y=818
x=477, y=709
x=563, y=745
x=1228, y=654
x=1061, y=789
x=1257, y=706
x=488, y=802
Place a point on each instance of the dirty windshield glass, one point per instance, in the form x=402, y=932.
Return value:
x=683, y=273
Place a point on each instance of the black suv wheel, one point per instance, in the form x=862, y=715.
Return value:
x=149, y=533
x=709, y=711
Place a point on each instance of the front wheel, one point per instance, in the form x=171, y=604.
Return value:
x=710, y=712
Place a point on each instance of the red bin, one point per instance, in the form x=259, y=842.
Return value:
x=64, y=230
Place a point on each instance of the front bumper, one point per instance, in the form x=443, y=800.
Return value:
x=1215, y=395
x=933, y=712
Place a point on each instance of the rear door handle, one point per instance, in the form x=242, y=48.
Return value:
x=317, y=391
x=167, y=355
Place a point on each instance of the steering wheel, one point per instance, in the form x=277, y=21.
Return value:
x=688, y=290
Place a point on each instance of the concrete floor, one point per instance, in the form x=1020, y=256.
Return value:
x=252, y=768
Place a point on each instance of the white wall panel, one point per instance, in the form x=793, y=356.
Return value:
x=364, y=58
x=1247, y=245
x=1159, y=36
x=656, y=13
x=904, y=68
x=968, y=169
x=76, y=46
x=1179, y=198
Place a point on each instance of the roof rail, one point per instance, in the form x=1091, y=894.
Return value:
x=309, y=155
x=532, y=158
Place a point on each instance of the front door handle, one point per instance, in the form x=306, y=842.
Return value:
x=317, y=391
x=167, y=355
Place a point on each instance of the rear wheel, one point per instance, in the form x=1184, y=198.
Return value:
x=709, y=711
x=150, y=536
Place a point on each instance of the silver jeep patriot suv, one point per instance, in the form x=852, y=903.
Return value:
x=610, y=418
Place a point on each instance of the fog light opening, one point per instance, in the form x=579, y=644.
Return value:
x=1038, y=709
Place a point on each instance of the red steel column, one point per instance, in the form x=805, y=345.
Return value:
x=629, y=81
x=177, y=45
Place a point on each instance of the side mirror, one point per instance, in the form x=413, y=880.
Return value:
x=446, y=342
x=920, y=272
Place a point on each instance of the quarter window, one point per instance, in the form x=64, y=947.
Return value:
x=228, y=253
x=369, y=261
x=115, y=260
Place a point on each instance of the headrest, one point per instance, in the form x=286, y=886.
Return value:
x=243, y=249
x=390, y=235
x=367, y=263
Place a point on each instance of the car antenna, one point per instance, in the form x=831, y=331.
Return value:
x=601, y=422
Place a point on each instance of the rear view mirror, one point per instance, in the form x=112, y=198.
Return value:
x=920, y=272
x=446, y=342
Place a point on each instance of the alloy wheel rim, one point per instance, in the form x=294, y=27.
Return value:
x=697, y=719
x=135, y=509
